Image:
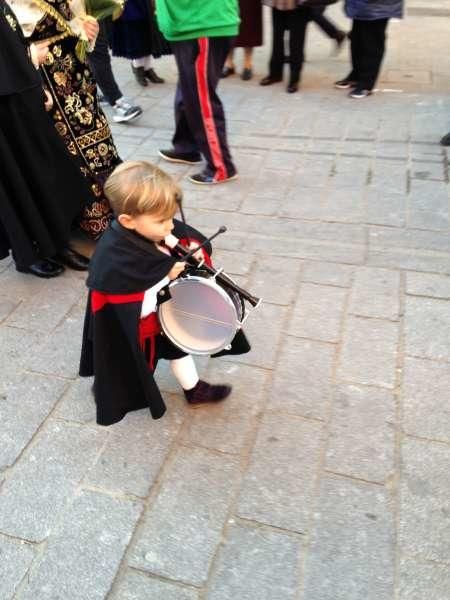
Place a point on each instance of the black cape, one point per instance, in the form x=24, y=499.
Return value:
x=123, y=267
x=41, y=189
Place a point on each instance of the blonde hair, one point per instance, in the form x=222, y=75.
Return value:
x=138, y=187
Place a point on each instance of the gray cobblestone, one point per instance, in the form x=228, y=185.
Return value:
x=23, y=408
x=424, y=284
x=425, y=387
x=33, y=497
x=425, y=500
x=318, y=312
x=78, y=402
x=275, y=279
x=16, y=558
x=375, y=293
x=369, y=352
x=386, y=208
x=353, y=537
x=93, y=535
x=361, y=433
x=303, y=389
x=137, y=586
x=279, y=483
x=225, y=427
x=134, y=453
x=419, y=580
x=255, y=563
x=427, y=327
x=327, y=273
x=182, y=529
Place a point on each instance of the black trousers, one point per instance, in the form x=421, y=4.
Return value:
x=367, y=45
x=100, y=63
x=295, y=21
x=317, y=15
x=199, y=115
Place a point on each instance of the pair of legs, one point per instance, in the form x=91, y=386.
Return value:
x=295, y=22
x=367, y=46
x=247, y=71
x=200, y=128
x=100, y=63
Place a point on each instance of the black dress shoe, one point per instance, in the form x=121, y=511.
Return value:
x=139, y=74
x=153, y=77
x=227, y=71
x=292, y=88
x=42, y=268
x=185, y=158
x=270, y=80
x=72, y=259
x=247, y=74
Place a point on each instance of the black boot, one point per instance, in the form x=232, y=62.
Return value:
x=153, y=77
x=139, y=74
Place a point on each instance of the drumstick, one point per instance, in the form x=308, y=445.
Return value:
x=187, y=256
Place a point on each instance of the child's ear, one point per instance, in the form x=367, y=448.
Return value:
x=126, y=221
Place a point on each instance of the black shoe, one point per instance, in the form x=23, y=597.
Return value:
x=139, y=74
x=205, y=178
x=72, y=259
x=247, y=74
x=186, y=158
x=292, y=88
x=270, y=80
x=227, y=71
x=153, y=77
x=358, y=93
x=42, y=268
x=345, y=84
x=204, y=393
x=445, y=141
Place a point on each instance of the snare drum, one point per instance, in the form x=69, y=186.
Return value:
x=201, y=317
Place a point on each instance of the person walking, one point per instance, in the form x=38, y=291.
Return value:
x=367, y=42
x=250, y=36
x=100, y=62
x=201, y=34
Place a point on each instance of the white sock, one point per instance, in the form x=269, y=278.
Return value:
x=185, y=372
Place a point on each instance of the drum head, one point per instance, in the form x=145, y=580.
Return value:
x=200, y=317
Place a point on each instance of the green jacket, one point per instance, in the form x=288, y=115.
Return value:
x=191, y=19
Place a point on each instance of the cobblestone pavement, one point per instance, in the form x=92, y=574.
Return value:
x=326, y=476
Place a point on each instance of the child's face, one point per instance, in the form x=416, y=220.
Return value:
x=152, y=227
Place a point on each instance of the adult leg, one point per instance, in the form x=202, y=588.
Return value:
x=298, y=21
x=200, y=63
x=183, y=140
x=329, y=28
x=373, y=41
x=100, y=62
x=356, y=49
x=277, y=58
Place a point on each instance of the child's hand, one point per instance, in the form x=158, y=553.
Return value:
x=177, y=268
x=197, y=255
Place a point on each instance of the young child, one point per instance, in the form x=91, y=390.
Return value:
x=132, y=263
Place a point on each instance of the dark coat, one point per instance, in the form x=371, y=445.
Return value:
x=123, y=267
x=370, y=10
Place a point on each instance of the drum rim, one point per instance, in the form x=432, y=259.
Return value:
x=209, y=282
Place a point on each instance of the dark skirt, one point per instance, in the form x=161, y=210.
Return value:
x=136, y=34
x=251, y=29
x=41, y=189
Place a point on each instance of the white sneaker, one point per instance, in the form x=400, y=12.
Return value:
x=124, y=111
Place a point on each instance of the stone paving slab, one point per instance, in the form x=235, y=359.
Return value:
x=325, y=475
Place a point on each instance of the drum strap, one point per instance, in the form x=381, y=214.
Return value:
x=149, y=328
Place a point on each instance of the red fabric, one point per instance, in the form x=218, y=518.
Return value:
x=206, y=257
x=99, y=299
x=149, y=328
x=201, y=71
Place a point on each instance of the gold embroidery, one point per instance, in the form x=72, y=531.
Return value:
x=89, y=139
x=12, y=22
